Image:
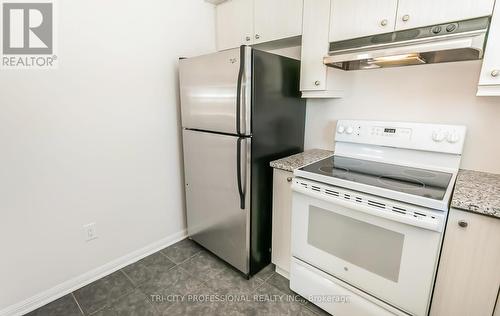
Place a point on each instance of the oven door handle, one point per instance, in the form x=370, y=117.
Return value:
x=429, y=224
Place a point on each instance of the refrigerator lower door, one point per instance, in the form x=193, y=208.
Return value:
x=218, y=194
x=215, y=91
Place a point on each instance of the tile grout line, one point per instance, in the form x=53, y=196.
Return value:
x=202, y=282
x=150, y=302
x=129, y=278
x=303, y=303
x=164, y=255
x=197, y=253
x=77, y=303
x=173, y=267
x=189, y=273
x=138, y=285
x=269, y=276
x=147, y=297
x=274, y=286
x=205, y=282
x=109, y=304
x=98, y=310
x=175, y=264
x=312, y=311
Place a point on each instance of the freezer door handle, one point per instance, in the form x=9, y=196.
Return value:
x=241, y=185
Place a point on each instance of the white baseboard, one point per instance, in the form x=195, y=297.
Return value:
x=283, y=272
x=69, y=286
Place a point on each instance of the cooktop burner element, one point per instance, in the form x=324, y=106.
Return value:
x=398, y=182
x=327, y=169
x=415, y=181
x=331, y=169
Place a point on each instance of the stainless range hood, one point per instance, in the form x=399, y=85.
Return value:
x=458, y=41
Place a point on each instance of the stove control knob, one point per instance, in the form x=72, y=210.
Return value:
x=451, y=27
x=341, y=129
x=438, y=136
x=349, y=130
x=436, y=30
x=453, y=138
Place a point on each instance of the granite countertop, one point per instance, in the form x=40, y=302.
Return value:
x=477, y=192
x=300, y=160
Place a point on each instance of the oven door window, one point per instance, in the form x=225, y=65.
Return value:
x=367, y=246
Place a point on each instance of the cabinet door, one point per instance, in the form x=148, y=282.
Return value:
x=282, y=219
x=314, y=44
x=469, y=270
x=277, y=19
x=358, y=18
x=416, y=13
x=490, y=73
x=234, y=23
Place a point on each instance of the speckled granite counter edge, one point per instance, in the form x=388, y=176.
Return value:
x=477, y=192
x=300, y=160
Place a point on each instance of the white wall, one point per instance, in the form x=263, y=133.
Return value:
x=96, y=140
x=439, y=93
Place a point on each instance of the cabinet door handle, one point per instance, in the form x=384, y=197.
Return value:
x=317, y=83
x=495, y=73
x=257, y=36
x=463, y=224
x=289, y=179
x=384, y=22
x=248, y=38
x=406, y=17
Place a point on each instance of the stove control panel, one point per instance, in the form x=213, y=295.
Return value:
x=431, y=137
x=382, y=131
x=376, y=131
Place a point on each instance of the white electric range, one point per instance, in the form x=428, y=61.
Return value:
x=367, y=223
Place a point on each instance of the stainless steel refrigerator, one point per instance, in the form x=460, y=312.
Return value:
x=240, y=109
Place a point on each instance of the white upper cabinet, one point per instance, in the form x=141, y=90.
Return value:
x=277, y=19
x=417, y=13
x=247, y=22
x=314, y=45
x=489, y=81
x=317, y=80
x=234, y=23
x=358, y=18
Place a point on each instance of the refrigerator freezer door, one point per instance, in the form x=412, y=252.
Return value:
x=214, y=203
x=215, y=92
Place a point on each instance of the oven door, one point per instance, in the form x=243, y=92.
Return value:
x=382, y=254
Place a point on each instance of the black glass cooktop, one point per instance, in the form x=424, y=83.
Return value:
x=420, y=182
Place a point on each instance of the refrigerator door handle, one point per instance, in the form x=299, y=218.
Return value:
x=241, y=186
x=242, y=94
x=239, y=98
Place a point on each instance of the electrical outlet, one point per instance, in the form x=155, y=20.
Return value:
x=90, y=231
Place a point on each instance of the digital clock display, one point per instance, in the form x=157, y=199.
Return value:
x=390, y=130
